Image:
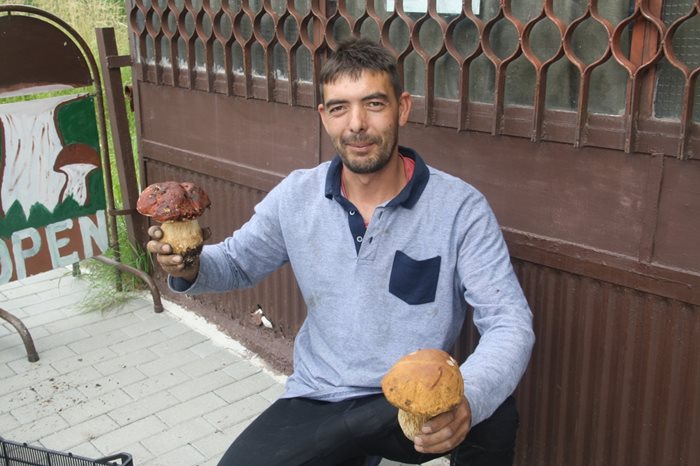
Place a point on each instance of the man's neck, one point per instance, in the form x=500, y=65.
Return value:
x=368, y=190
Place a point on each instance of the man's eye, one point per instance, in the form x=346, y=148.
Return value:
x=335, y=110
x=376, y=104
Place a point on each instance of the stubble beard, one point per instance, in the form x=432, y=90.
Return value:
x=370, y=163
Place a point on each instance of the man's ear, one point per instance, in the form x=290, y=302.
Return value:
x=322, y=113
x=405, y=104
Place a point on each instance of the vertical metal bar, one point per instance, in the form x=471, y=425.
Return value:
x=188, y=38
x=156, y=36
x=540, y=77
x=268, y=49
x=174, y=58
x=463, y=109
x=505, y=13
x=121, y=137
x=637, y=52
x=227, y=43
x=429, y=62
x=652, y=197
x=582, y=107
x=585, y=70
x=687, y=114
x=290, y=50
x=651, y=43
x=464, y=62
x=208, y=42
x=463, y=78
x=498, y=99
x=292, y=73
x=538, y=110
x=644, y=53
x=631, y=112
x=499, y=78
x=245, y=49
x=141, y=45
x=541, y=68
x=269, y=72
x=429, y=90
x=319, y=8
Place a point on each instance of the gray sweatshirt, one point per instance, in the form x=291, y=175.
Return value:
x=375, y=294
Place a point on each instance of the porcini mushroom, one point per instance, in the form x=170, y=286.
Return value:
x=176, y=206
x=422, y=385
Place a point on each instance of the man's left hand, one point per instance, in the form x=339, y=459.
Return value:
x=445, y=431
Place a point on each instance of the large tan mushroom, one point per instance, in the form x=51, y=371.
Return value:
x=422, y=385
x=176, y=206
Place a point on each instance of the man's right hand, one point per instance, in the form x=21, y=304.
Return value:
x=172, y=264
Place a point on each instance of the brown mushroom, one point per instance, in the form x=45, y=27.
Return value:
x=422, y=385
x=176, y=206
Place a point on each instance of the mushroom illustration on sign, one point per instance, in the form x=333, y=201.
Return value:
x=422, y=385
x=76, y=161
x=176, y=206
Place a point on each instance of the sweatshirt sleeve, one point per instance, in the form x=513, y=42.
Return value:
x=501, y=313
x=244, y=258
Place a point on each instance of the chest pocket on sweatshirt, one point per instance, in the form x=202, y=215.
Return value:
x=414, y=281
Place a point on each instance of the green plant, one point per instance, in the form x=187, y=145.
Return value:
x=104, y=293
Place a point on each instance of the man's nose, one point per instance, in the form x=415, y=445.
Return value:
x=358, y=119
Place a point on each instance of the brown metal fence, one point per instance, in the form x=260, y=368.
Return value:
x=580, y=122
x=587, y=73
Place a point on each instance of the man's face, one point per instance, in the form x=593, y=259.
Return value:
x=362, y=117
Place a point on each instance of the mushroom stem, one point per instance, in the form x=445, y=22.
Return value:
x=411, y=424
x=185, y=237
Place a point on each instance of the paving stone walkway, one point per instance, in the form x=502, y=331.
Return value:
x=169, y=388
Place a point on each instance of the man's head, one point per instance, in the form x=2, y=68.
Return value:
x=363, y=105
x=355, y=55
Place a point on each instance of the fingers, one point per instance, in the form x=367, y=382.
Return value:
x=155, y=232
x=445, y=431
x=163, y=251
x=172, y=264
x=154, y=246
x=170, y=261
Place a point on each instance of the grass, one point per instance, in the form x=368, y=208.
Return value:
x=84, y=16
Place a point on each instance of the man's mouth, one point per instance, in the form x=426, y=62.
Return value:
x=361, y=146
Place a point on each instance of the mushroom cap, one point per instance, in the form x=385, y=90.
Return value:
x=172, y=201
x=426, y=382
x=76, y=153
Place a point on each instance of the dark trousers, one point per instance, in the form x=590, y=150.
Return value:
x=299, y=431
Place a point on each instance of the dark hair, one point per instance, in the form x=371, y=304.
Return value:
x=355, y=55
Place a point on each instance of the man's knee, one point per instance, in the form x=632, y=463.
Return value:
x=493, y=437
x=498, y=431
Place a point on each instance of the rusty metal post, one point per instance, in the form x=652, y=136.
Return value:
x=32, y=354
x=110, y=63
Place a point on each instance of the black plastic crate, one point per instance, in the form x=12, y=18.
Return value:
x=21, y=454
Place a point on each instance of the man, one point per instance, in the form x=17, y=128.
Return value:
x=388, y=254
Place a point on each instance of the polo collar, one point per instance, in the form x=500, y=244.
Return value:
x=408, y=196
